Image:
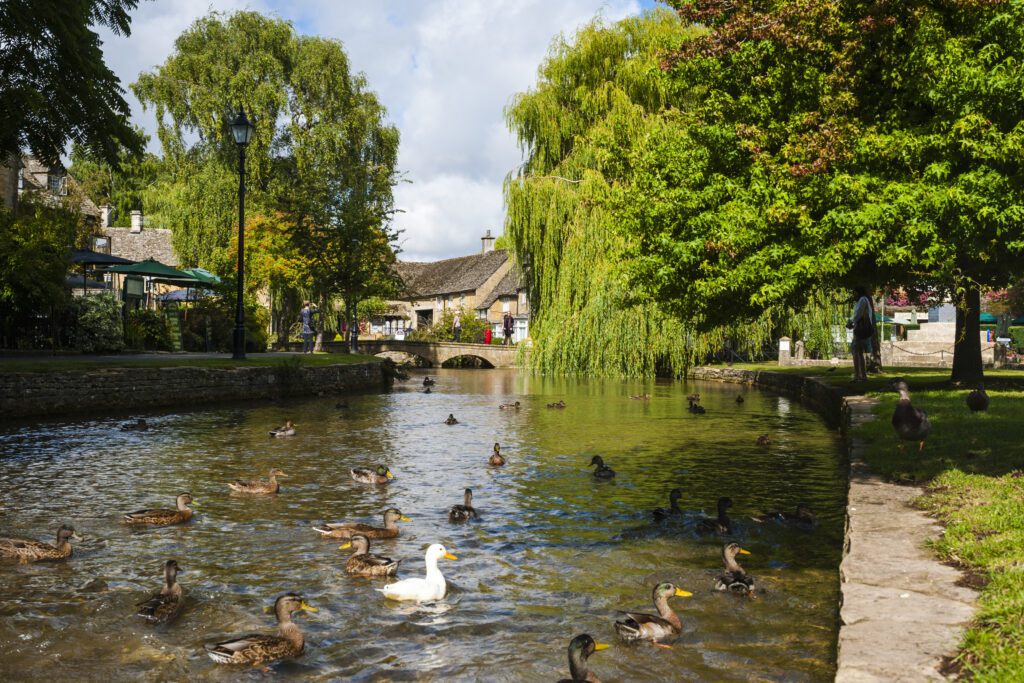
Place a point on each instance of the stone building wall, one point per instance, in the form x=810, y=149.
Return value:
x=8, y=182
x=37, y=394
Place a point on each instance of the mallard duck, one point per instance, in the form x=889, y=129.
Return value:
x=580, y=649
x=496, y=459
x=367, y=475
x=349, y=529
x=365, y=563
x=641, y=397
x=739, y=398
x=464, y=512
x=140, y=425
x=427, y=390
x=977, y=400
x=288, y=429
x=27, y=550
x=763, y=441
x=451, y=420
x=734, y=579
x=602, y=471
x=163, y=607
x=803, y=515
x=427, y=382
x=257, y=648
x=259, y=485
x=695, y=407
x=910, y=423
x=673, y=506
x=642, y=626
x=431, y=587
x=720, y=524
x=163, y=517
x=509, y=406
x=559, y=405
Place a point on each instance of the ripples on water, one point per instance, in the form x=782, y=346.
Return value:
x=554, y=554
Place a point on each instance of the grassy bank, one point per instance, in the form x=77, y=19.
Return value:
x=973, y=484
x=83, y=363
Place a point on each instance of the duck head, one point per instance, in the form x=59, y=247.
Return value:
x=437, y=551
x=288, y=603
x=597, y=460
x=360, y=545
x=184, y=500
x=383, y=471
x=392, y=515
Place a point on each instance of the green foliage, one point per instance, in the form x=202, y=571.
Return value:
x=56, y=85
x=97, y=323
x=147, y=330
x=215, y=317
x=442, y=330
x=126, y=186
x=34, y=260
x=1017, y=337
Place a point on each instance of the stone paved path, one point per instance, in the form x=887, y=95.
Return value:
x=902, y=611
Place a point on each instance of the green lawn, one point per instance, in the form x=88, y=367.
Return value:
x=83, y=363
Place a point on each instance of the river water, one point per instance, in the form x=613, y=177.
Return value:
x=555, y=553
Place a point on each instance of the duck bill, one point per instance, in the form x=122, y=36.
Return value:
x=345, y=546
x=683, y=594
x=601, y=646
x=743, y=552
x=75, y=536
x=449, y=556
x=389, y=475
x=403, y=518
x=307, y=607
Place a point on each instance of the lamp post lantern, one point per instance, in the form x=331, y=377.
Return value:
x=241, y=130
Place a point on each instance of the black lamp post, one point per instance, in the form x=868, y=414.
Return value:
x=241, y=130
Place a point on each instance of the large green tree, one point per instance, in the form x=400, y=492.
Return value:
x=822, y=143
x=321, y=163
x=54, y=84
x=125, y=186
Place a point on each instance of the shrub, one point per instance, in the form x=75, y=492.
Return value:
x=147, y=330
x=472, y=328
x=216, y=316
x=96, y=324
x=1017, y=335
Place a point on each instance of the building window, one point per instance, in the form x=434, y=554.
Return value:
x=101, y=245
x=462, y=299
x=57, y=183
x=522, y=298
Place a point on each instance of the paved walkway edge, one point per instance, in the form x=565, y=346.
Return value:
x=902, y=610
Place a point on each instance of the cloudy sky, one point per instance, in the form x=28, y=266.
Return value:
x=445, y=69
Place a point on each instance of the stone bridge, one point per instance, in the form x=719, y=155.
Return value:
x=437, y=353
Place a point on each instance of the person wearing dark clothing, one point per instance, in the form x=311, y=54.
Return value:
x=508, y=327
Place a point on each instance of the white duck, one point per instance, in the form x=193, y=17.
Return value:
x=431, y=587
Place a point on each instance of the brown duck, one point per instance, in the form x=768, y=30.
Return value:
x=163, y=517
x=364, y=563
x=496, y=459
x=259, y=485
x=26, y=550
x=257, y=648
x=163, y=607
x=349, y=529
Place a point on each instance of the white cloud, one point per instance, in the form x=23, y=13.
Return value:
x=445, y=69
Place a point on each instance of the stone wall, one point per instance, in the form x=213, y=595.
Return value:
x=38, y=394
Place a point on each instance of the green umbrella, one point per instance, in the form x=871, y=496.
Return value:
x=152, y=268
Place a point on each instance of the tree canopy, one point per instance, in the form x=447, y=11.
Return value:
x=54, y=84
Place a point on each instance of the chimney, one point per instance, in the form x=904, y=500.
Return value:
x=136, y=221
x=488, y=243
x=106, y=216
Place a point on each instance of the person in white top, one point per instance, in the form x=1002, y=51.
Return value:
x=863, y=325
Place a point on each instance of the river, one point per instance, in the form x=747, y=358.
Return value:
x=555, y=552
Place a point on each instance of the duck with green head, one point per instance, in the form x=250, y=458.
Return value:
x=255, y=649
x=580, y=649
x=369, y=475
x=654, y=627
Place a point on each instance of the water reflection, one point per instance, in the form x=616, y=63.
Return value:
x=554, y=553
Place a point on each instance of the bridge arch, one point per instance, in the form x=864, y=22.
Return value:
x=475, y=360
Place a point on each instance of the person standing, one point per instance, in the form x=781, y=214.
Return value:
x=457, y=324
x=308, y=330
x=863, y=325
x=508, y=327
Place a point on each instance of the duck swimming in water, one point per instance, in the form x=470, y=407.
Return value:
x=734, y=579
x=464, y=512
x=258, y=486
x=673, y=506
x=910, y=423
x=431, y=587
x=367, y=475
x=664, y=624
x=509, y=406
x=580, y=649
x=287, y=429
x=496, y=459
x=26, y=550
x=255, y=649
x=427, y=382
x=364, y=563
x=163, y=607
x=557, y=406
x=602, y=471
x=164, y=517
x=349, y=529
x=451, y=420
x=140, y=425
x=803, y=516
x=720, y=524
x=694, y=405
x=763, y=441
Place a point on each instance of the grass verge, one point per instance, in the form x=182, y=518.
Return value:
x=971, y=468
x=84, y=363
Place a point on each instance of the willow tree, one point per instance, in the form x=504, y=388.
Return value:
x=597, y=95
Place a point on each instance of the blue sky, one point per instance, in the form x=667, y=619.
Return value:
x=445, y=69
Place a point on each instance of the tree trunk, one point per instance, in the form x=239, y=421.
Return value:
x=967, y=365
